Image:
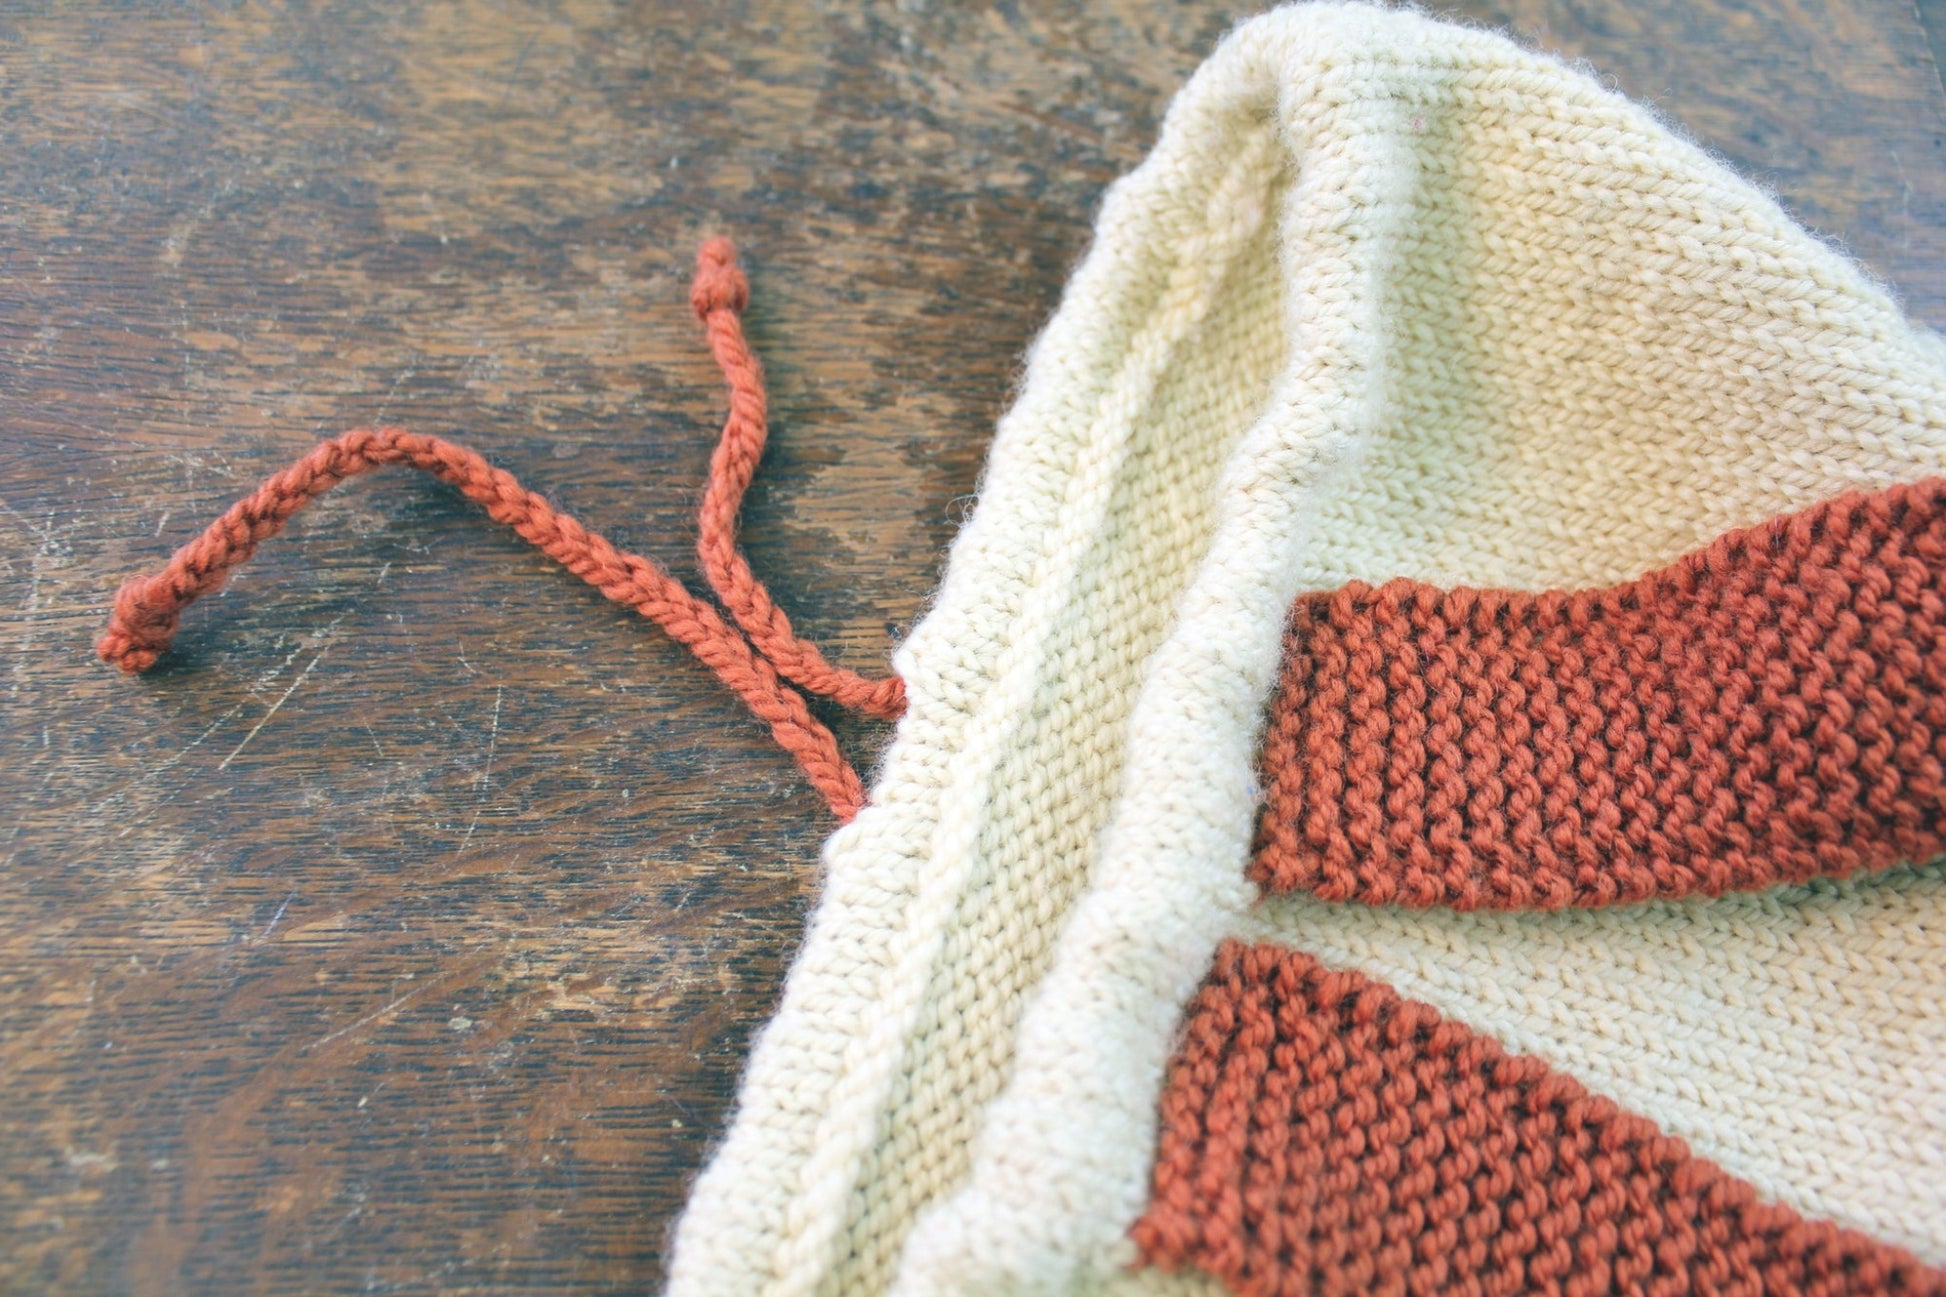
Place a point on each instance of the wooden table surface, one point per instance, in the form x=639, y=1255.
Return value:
x=405, y=933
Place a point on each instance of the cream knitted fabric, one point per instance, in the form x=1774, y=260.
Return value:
x=1390, y=297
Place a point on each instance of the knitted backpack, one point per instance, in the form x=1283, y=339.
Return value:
x=1426, y=768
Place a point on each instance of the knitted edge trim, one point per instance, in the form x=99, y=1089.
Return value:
x=1323, y=1134
x=772, y=1210
x=1767, y=710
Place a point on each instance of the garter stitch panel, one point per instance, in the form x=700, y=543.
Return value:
x=1793, y=1036
x=1764, y=711
x=1391, y=298
x=1409, y=1154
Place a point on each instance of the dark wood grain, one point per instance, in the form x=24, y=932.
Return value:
x=406, y=932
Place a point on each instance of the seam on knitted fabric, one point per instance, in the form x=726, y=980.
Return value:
x=899, y=809
x=1050, y=792
x=870, y=1058
x=1190, y=745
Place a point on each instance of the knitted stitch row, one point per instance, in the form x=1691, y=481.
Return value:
x=1765, y=710
x=1323, y=1135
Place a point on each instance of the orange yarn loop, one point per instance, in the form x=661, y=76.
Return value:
x=148, y=609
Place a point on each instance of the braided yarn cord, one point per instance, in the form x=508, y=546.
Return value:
x=720, y=293
x=148, y=609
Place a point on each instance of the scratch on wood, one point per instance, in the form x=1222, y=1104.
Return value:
x=272, y=925
x=520, y=61
x=283, y=698
x=405, y=375
x=370, y=1018
x=47, y=545
x=486, y=772
x=156, y=771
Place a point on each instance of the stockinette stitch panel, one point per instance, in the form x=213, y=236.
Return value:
x=1390, y=299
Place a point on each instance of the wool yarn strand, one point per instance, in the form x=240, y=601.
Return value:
x=148, y=609
x=719, y=294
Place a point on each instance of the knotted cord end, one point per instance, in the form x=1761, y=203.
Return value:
x=139, y=630
x=720, y=284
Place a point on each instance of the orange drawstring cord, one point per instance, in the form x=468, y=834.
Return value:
x=148, y=609
x=719, y=294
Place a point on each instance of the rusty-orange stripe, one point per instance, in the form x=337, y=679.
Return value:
x=1766, y=710
x=1323, y=1135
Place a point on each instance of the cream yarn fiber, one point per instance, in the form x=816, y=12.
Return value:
x=1390, y=297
